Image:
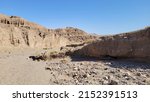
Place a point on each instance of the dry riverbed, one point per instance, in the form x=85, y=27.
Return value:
x=17, y=68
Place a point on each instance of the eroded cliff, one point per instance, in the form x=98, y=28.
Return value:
x=128, y=45
x=18, y=32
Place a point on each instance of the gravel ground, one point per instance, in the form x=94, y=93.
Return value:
x=17, y=69
x=108, y=72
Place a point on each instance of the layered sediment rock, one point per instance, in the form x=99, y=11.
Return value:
x=18, y=32
x=75, y=35
x=128, y=45
x=15, y=31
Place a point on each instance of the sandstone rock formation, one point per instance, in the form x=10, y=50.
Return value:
x=75, y=35
x=18, y=32
x=128, y=45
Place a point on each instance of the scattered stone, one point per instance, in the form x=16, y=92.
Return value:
x=144, y=81
x=125, y=75
x=127, y=78
x=84, y=76
x=47, y=68
x=93, y=72
x=138, y=74
x=147, y=75
x=112, y=72
x=106, y=77
x=105, y=68
x=64, y=61
x=81, y=48
x=37, y=58
x=108, y=63
x=74, y=75
x=113, y=82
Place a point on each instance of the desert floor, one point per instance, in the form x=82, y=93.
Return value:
x=17, y=69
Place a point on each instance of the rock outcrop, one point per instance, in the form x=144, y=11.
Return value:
x=18, y=32
x=20, y=22
x=128, y=45
x=75, y=35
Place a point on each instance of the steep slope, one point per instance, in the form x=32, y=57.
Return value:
x=15, y=31
x=128, y=45
x=75, y=35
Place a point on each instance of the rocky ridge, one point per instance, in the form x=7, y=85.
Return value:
x=18, y=32
x=135, y=45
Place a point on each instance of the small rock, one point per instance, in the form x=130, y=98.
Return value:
x=87, y=81
x=93, y=72
x=108, y=63
x=68, y=74
x=138, y=74
x=147, y=75
x=105, y=82
x=78, y=69
x=118, y=70
x=125, y=75
x=118, y=75
x=112, y=71
x=74, y=75
x=113, y=82
x=144, y=81
x=84, y=76
x=106, y=78
x=47, y=68
x=75, y=68
x=105, y=68
x=81, y=63
x=127, y=78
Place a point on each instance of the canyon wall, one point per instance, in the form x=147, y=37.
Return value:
x=128, y=45
x=18, y=32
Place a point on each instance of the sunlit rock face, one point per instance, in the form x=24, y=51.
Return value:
x=18, y=32
x=128, y=45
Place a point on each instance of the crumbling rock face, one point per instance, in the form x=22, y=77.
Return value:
x=128, y=45
x=11, y=36
x=75, y=35
x=15, y=31
x=20, y=22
